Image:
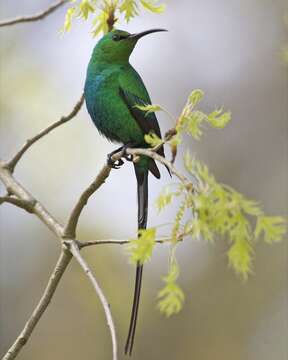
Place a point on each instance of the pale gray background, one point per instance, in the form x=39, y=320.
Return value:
x=228, y=48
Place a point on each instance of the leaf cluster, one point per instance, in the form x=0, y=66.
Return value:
x=105, y=13
x=208, y=209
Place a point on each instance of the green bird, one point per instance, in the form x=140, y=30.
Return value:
x=113, y=89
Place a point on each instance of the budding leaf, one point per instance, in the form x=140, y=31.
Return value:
x=171, y=296
x=152, y=139
x=130, y=8
x=195, y=97
x=218, y=118
x=152, y=6
x=141, y=249
x=273, y=228
x=148, y=108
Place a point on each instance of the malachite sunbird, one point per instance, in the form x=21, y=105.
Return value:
x=112, y=89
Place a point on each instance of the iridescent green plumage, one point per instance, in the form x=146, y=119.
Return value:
x=113, y=88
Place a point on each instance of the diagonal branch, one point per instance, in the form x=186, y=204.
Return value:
x=23, y=204
x=51, y=287
x=74, y=249
x=13, y=162
x=41, y=15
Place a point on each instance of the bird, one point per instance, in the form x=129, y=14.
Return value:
x=113, y=90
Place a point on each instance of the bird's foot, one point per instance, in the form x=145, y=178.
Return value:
x=116, y=164
x=127, y=157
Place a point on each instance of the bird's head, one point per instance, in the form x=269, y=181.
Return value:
x=117, y=45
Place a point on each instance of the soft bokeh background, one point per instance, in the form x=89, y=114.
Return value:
x=230, y=49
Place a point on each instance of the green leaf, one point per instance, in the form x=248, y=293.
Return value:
x=85, y=8
x=70, y=13
x=219, y=119
x=152, y=6
x=152, y=139
x=165, y=198
x=148, y=108
x=195, y=97
x=171, y=296
x=188, y=162
x=273, y=228
x=130, y=8
x=100, y=23
x=141, y=249
x=240, y=257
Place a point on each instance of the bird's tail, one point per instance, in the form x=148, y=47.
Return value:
x=142, y=195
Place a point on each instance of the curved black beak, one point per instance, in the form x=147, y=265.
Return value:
x=144, y=33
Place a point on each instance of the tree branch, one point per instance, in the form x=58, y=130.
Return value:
x=83, y=244
x=13, y=162
x=23, y=204
x=53, y=282
x=74, y=249
x=41, y=15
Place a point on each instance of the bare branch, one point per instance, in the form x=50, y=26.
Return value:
x=41, y=15
x=70, y=229
x=82, y=244
x=74, y=249
x=14, y=188
x=13, y=162
x=53, y=282
x=23, y=204
x=153, y=155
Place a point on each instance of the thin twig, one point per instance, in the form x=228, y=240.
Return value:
x=23, y=204
x=70, y=229
x=74, y=249
x=53, y=282
x=41, y=15
x=83, y=244
x=153, y=155
x=13, y=162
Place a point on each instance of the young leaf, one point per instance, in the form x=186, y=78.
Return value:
x=130, y=8
x=164, y=199
x=171, y=296
x=195, y=97
x=240, y=257
x=85, y=8
x=141, y=249
x=273, y=227
x=70, y=13
x=152, y=139
x=152, y=6
x=218, y=118
x=149, y=108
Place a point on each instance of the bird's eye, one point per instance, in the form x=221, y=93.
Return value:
x=117, y=37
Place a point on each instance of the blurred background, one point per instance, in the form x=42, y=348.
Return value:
x=228, y=48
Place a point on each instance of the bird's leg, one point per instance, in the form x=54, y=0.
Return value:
x=115, y=164
x=128, y=157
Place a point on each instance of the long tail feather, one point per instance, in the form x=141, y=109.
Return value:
x=142, y=194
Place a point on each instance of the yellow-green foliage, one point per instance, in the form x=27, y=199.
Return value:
x=213, y=210
x=106, y=12
x=191, y=120
x=171, y=296
x=141, y=248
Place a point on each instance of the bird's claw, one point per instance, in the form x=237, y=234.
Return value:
x=128, y=157
x=114, y=164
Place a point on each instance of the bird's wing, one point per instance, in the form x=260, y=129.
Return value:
x=146, y=121
x=133, y=92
